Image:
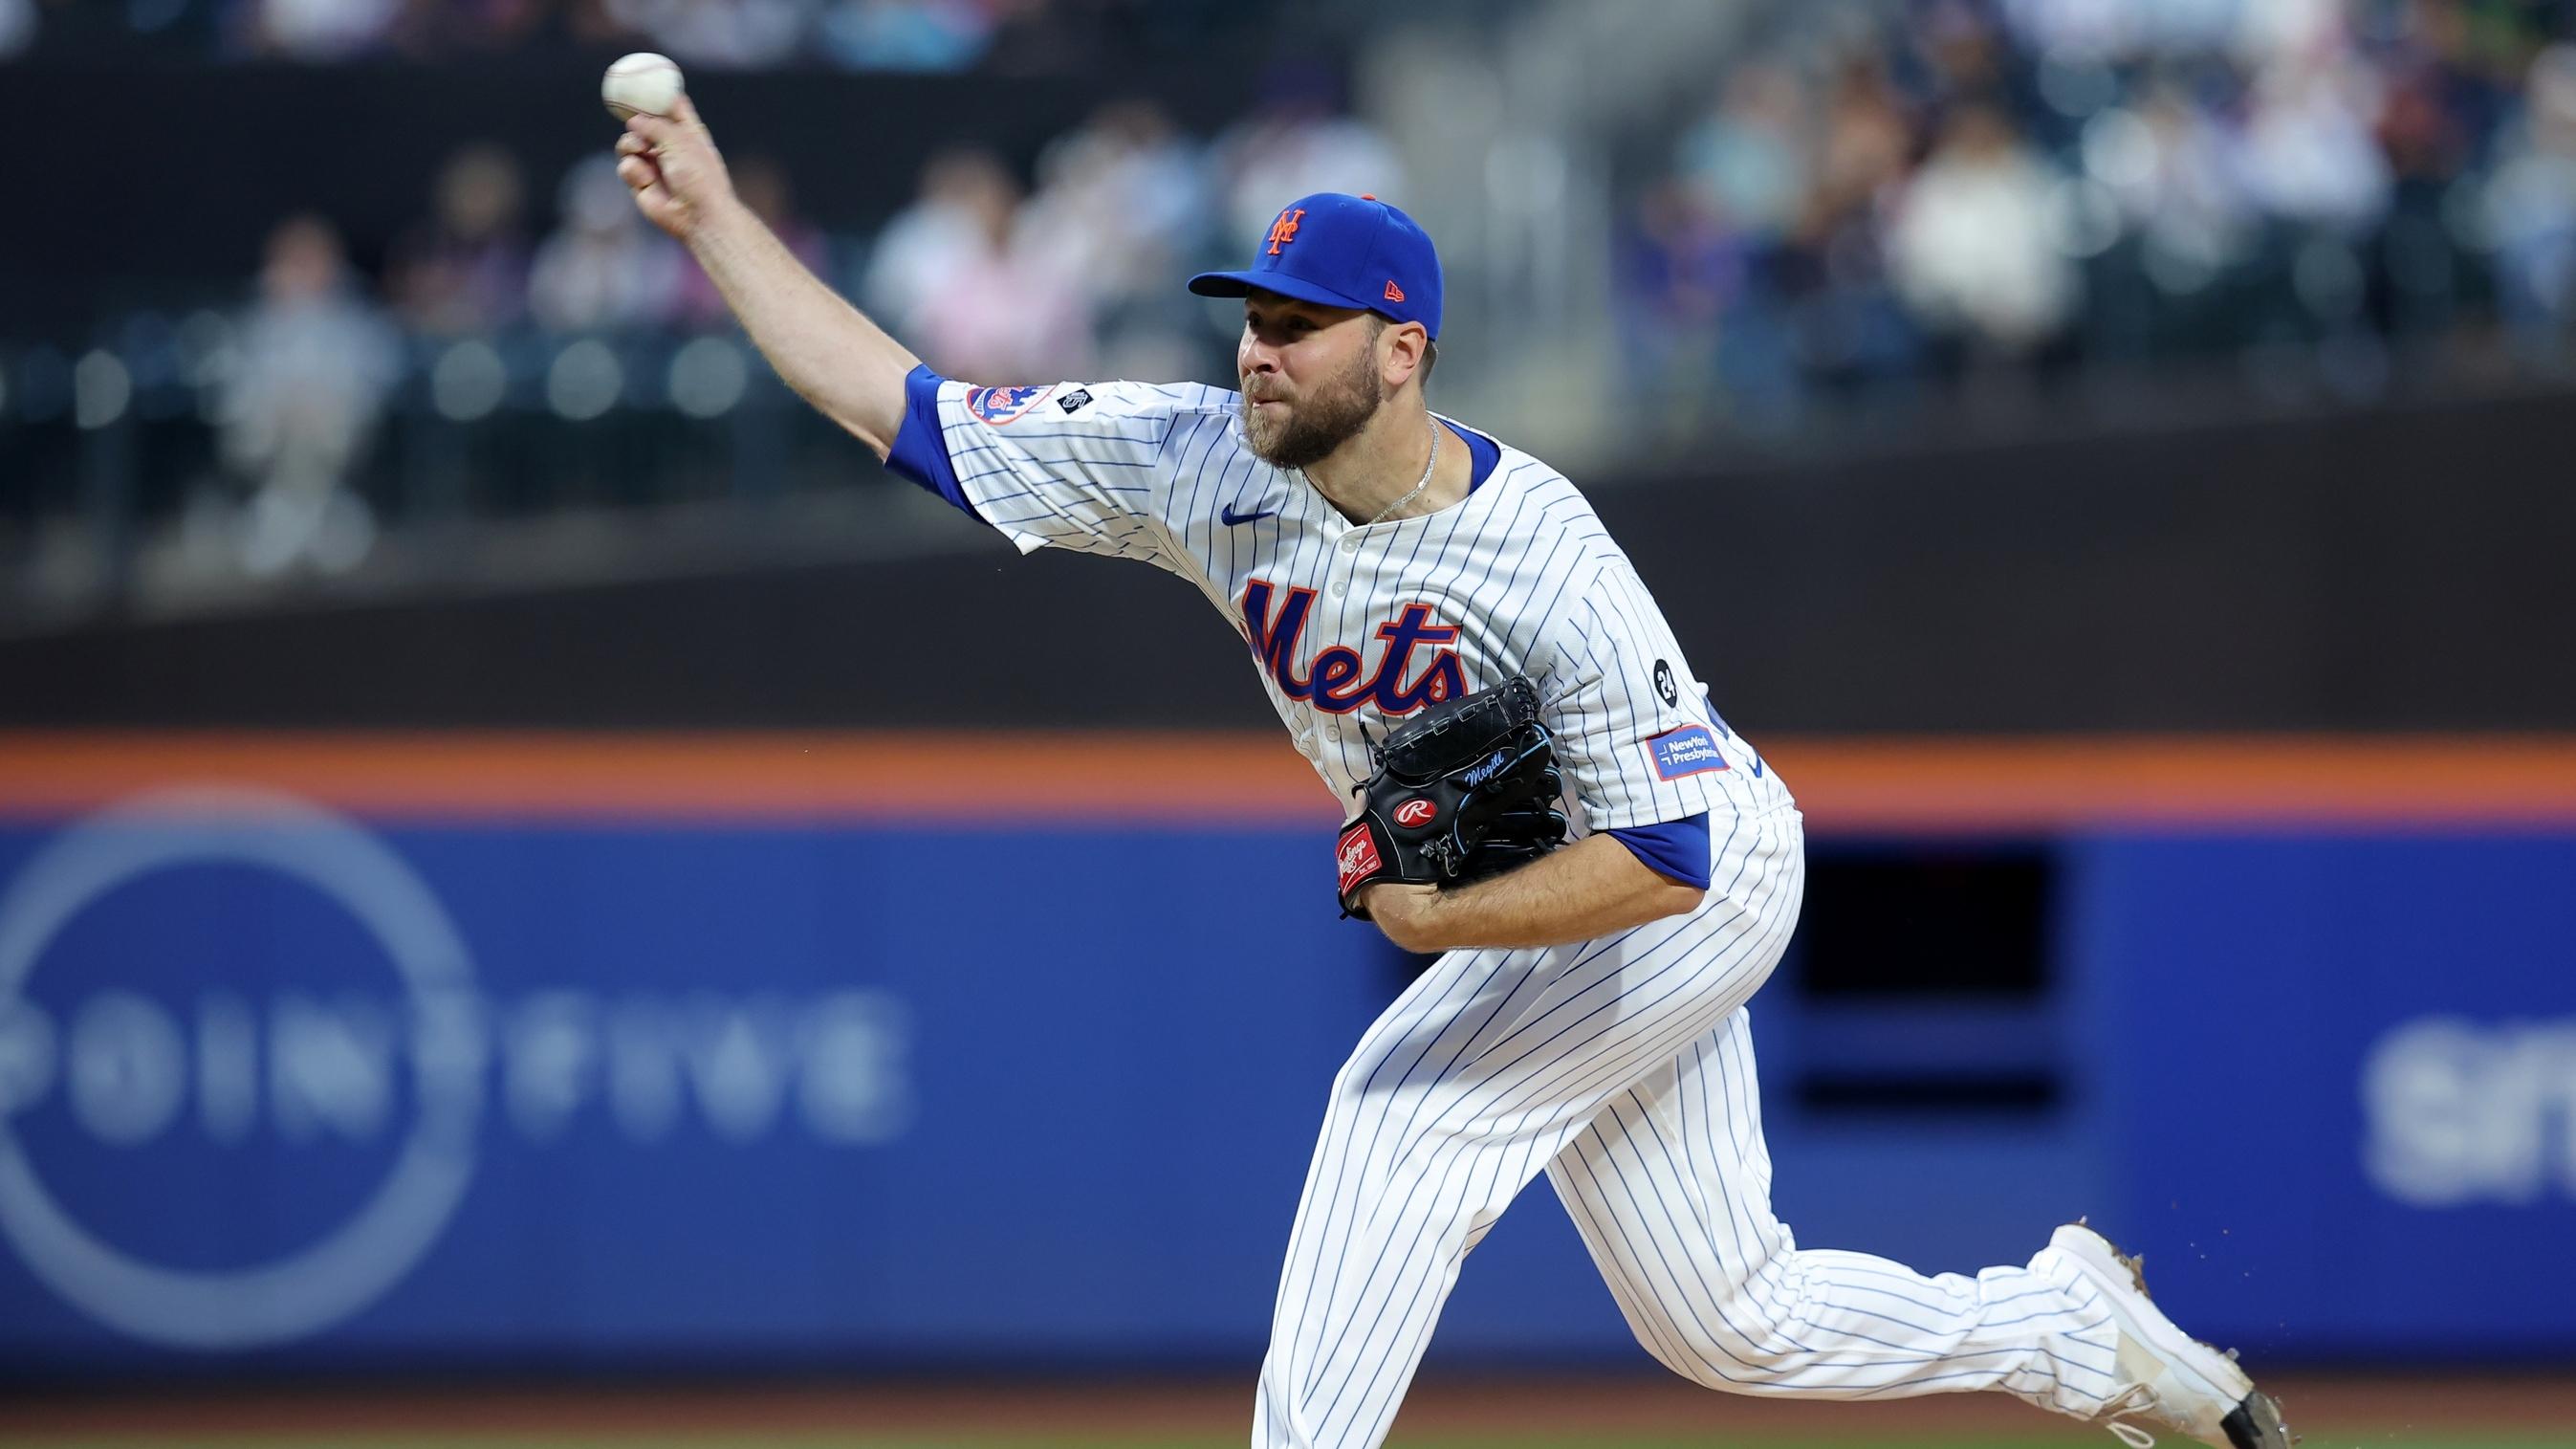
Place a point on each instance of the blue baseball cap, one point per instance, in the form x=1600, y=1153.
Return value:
x=1342, y=251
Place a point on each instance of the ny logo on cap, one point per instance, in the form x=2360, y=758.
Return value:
x=1284, y=230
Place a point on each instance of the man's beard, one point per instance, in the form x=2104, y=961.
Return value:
x=1330, y=415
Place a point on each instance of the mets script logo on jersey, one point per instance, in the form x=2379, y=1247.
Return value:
x=1335, y=684
x=999, y=405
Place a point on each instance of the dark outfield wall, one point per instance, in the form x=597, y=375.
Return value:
x=2385, y=571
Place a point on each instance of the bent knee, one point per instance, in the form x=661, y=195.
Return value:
x=1748, y=1352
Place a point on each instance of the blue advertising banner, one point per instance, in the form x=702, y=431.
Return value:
x=2345, y=1084
x=272, y=1079
x=317, y=1090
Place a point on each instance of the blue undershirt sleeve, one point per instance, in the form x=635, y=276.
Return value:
x=1677, y=850
x=920, y=450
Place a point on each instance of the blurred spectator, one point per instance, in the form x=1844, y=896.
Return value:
x=1972, y=249
x=17, y=26
x=1683, y=272
x=433, y=28
x=466, y=269
x=2531, y=209
x=177, y=28
x=315, y=361
x=1123, y=202
x=1868, y=143
x=1749, y=157
x=2310, y=156
x=917, y=35
x=594, y=24
x=605, y=269
x=322, y=29
x=981, y=294
x=1297, y=143
x=734, y=33
x=2172, y=170
x=763, y=186
x=1960, y=46
x=961, y=190
x=1127, y=192
x=1849, y=329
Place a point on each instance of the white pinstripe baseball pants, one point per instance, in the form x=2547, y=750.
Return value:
x=1624, y=1068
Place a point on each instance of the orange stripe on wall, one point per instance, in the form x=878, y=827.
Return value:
x=2058, y=783
x=1919, y=784
x=966, y=777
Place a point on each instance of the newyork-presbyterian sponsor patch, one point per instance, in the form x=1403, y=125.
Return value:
x=999, y=405
x=1690, y=750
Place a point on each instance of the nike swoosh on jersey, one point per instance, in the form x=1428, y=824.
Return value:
x=1235, y=520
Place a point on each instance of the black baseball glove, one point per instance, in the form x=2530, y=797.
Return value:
x=1466, y=789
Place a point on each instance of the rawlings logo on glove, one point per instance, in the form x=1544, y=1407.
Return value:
x=1357, y=856
x=1466, y=789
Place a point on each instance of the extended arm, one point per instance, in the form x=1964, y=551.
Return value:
x=1594, y=887
x=842, y=363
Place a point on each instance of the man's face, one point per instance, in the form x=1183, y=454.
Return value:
x=1310, y=375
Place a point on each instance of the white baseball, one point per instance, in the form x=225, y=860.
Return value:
x=640, y=82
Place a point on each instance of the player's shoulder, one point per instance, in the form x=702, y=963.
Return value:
x=1535, y=500
x=1534, y=477
x=1086, y=405
x=1540, y=502
x=1518, y=471
x=1144, y=399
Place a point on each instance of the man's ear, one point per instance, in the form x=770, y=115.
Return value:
x=1406, y=344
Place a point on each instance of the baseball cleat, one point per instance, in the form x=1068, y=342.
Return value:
x=2175, y=1381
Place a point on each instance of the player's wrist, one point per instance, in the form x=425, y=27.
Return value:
x=1409, y=915
x=719, y=222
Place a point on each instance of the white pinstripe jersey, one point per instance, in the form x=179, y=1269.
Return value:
x=1622, y=1067
x=1352, y=627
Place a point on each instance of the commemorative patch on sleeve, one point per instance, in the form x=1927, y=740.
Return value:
x=1690, y=750
x=999, y=405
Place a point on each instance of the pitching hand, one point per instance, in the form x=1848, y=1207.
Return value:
x=674, y=169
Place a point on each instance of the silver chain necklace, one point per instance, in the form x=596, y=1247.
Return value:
x=1422, y=483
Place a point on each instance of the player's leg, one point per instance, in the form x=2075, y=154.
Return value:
x=1456, y=1098
x=1670, y=1187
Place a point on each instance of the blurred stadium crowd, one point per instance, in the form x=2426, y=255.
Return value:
x=1862, y=205
x=479, y=311
x=911, y=35
x=1876, y=195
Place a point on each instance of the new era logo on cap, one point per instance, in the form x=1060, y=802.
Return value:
x=1338, y=250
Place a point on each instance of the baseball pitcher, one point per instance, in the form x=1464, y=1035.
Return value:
x=1539, y=791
